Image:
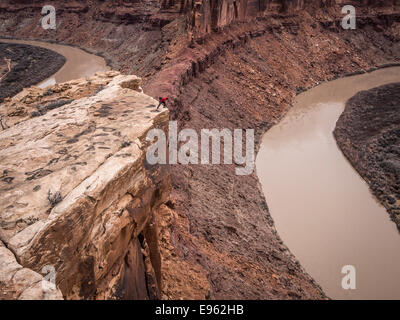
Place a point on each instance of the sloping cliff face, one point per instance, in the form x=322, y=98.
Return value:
x=216, y=238
x=22, y=283
x=145, y=37
x=76, y=192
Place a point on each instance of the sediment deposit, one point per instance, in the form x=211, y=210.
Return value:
x=368, y=133
x=76, y=193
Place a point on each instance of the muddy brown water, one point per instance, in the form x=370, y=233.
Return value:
x=79, y=64
x=323, y=210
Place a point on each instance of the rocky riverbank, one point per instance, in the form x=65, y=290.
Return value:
x=29, y=65
x=222, y=70
x=368, y=133
x=76, y=195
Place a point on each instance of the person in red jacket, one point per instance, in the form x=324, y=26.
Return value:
x=162, y=102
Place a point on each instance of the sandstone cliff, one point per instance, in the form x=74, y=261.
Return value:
x=368, y=132
x=25, y=60
x=76, y=193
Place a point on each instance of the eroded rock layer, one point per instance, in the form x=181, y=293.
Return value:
x=368, y=132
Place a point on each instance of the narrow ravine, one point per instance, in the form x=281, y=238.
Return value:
x=79, y=63
x=323, y=210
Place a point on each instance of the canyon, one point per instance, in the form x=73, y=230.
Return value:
x=224, y=64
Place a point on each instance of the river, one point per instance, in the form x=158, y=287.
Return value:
x=323, y=210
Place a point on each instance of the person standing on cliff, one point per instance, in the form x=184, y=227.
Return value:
x=162, y=102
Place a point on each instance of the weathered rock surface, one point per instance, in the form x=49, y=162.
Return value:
x=75, y=192
x=243, y=78
x=368, y=133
